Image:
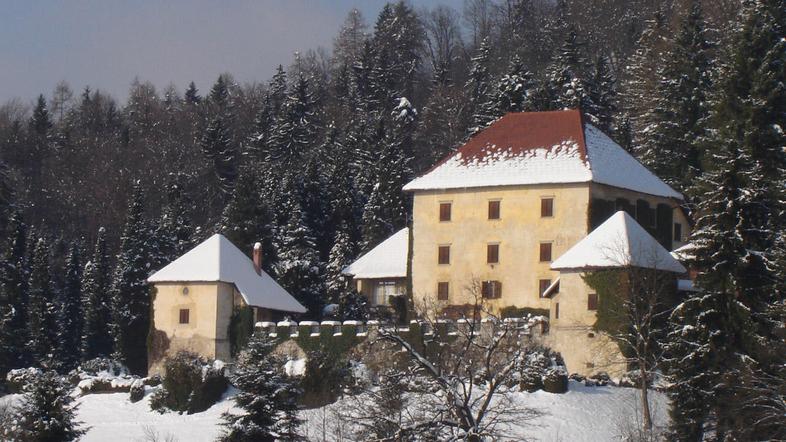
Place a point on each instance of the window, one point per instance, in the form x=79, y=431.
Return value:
x=383, y=291
x=491, y=289
x=543, y=285
x=545, y=252
x=184, y=313
x=444, y=255
x=442, y=291
x=556, y=310
x=493, y=209
x=546, y=207
x=444, y=211
x=677, y=232
x=492, y=253
x=592, y=301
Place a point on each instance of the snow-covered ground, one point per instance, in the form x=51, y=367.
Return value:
x=583, y=414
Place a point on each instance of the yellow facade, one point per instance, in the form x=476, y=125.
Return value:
x=209, y=305
x=519, y=233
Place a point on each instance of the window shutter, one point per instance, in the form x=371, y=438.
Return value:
x=556, y=310
x=592, y=301
x=545, y=252
x=444, y=211
x=543, y=284
x=442, y=291
x=184, y=316
x=493, y=209
x=492, y=253
x=444, y=255
x=546, y=207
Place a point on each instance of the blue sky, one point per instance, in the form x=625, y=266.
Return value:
x=106, y=43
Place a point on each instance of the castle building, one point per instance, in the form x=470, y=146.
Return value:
x=195, y=297
x=491, y=218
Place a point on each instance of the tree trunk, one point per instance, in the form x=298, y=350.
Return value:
x=645, y=402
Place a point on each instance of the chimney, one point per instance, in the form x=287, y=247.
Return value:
x=257, y=254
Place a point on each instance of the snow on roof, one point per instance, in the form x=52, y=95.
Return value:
x=217, y=259
x=387, y=260
x=684, y=253
x=618, y=242
x=541, y=148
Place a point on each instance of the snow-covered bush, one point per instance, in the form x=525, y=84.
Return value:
x=325, y=377
x=192, y=384
x=555, y=380
x=20, y=377
x=98, y=365
x=46, y=412
x=537, y=363
x=137, y=391
x=102, y=375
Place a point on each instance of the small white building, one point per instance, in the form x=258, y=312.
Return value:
x=382, y=272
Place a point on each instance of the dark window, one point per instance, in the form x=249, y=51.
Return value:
x=184, y=316
x=546, y=207
x=492, y=253
x=491, y=289
x=444, y=254
x=556, y=310
x=543, y=284
x=442, y=291
x=444, y=211
x=493, y=209
x=677, y=232
x=592, y=301
x=545, y=252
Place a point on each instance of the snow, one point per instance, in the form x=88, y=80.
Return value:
x=217, y=259
x=387, y=260
x=620, y=241
x=295, y=367
x=595, y=158
x=583, y=414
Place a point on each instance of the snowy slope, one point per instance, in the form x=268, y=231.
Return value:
x=584, y=414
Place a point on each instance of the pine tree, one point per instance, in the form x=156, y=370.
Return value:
x=43, y=308
x=192, y=95
x=267, y=397
x=679, y=108
x=602, y=95
x=247, y=219
x=97, y=338
x=341, y=255
x=46, y=413
x=567, y=75
x=295, y=130
x=71, y=315
x=14, y=275
x=516, y=91
x=130, y=293
x=478, y=86
x=219, y=148
x=299, y=268
x=173, y=235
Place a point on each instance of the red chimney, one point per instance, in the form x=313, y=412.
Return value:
x=257, y=254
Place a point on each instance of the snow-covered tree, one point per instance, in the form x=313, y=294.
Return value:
x=679, y=108
x=267, y=397
x=97, y=338
x=47, y=412
x=173, y=234
x=341, y=255
x=43, y=312
x=299, y=268
x=296, y=128
x=567, y=75
x=602, y=94
x=247, y=219
x=130, y=292
x=219, y=148
x=70, y=320
x=14, y=298
x=479, y=88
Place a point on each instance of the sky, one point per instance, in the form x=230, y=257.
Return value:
x=107, y=43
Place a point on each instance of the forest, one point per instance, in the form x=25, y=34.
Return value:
x=96, y=191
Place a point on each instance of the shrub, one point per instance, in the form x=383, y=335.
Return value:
x=192, y=384
x=538, y=364
x=326, y=375
x=18, y=378
x=512, y=311
x=399, y=304
x=241, y=326
x=46, y=412
x=137, y=391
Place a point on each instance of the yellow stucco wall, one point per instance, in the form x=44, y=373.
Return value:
x=519, y=232
x=585, y=351
x=210, y=307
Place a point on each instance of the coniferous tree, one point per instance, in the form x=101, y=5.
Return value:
x=218, y=147
x=567, y=76
x=71, y=317
x=43, y=313
x=602, y=95
x=479, y=87
x=341, y=255
x=47, y=412
x=299, y=268
x=130, y=293
x=247, y=219
x=516, y=91
x=14, y=275
x=295, y=129
x=679, y=109
x=97, y=338
x=192, y=95
x=267, y=397
x=173, y=235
